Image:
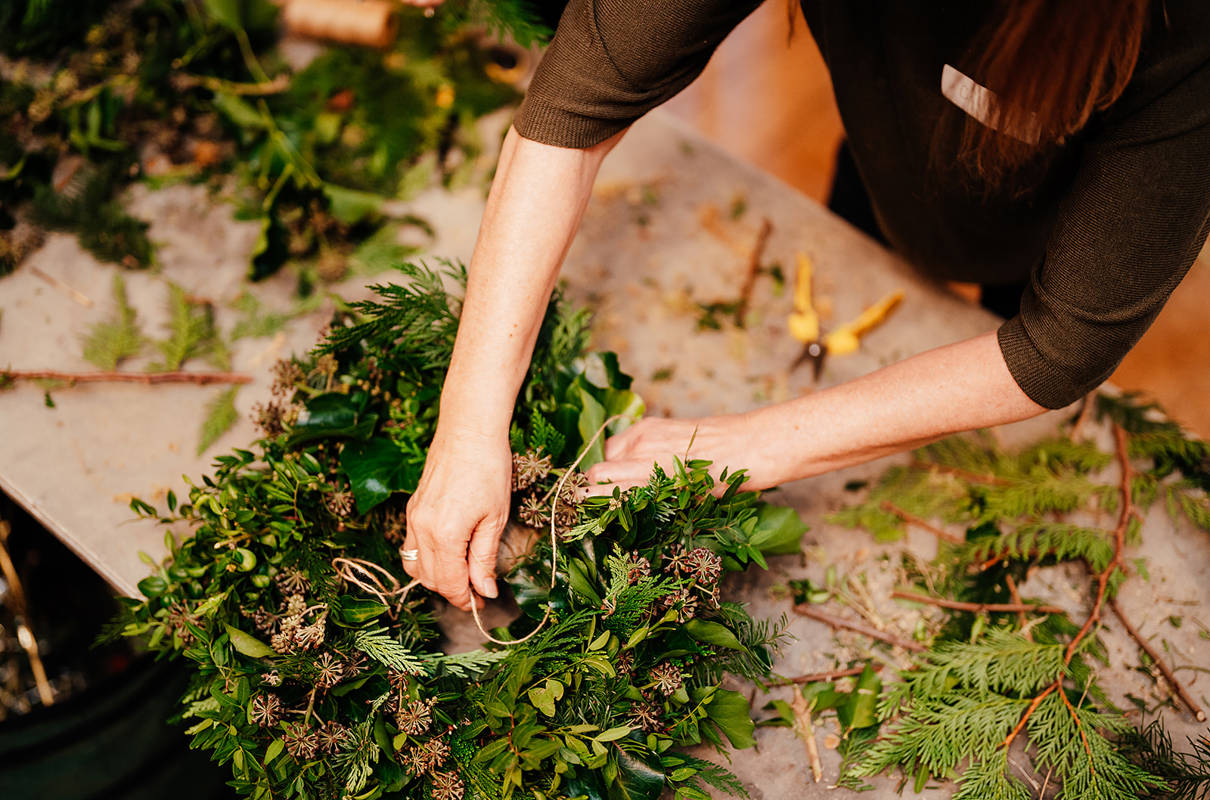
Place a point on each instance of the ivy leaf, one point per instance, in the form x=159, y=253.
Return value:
x=376, y=469
x=249, y=645
x=333, y=415
x=220, y=416
x=637, y=779
x=729, y=711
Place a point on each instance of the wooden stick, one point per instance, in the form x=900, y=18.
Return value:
x=70, y=291
x=1149, y=649
x=806, y=731
x=829, y=675
x=1016, y=596
x=754, y=259
x=25, y=634
x=923, y=524
x=201, y=378
x=805, y=610
x=977, y=608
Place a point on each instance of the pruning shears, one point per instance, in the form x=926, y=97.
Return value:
x=805, y=325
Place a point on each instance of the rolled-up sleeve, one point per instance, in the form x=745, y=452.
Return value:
x=1133, y=223
x=612, y=61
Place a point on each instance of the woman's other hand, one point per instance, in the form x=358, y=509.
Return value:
x=730, y=442
x=457, y=515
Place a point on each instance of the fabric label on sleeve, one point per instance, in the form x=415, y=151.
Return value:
x=980, y=103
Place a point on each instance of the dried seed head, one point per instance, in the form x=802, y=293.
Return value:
x=309, y=637
x=637, y=568
x=286, y=376
x=528, y=469
x=447, y=786
x=533, y=512
x=271, y=678
x=646, y=716
x=329, y=671
x=340, y=503
x=301, y=742
x=667, y=677
x=332, y=736
x=704, y=566
x=415, y=718
x=265, y=710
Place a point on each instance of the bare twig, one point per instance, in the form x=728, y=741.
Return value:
x=1149, y=649
x=805, y=610
x=1016, y=596
x=70, y=291
x=754, y=259
x=976, y=608
x=25, y=634
x=1090, y=401
x=201, y=378
x=829, y=675
x=806, y=731
x=923, y=524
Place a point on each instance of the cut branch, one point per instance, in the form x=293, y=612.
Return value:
x=829, y=675
x=754, y=259
x=1149, y=649
x=201, y=378
x=1119, y=544
x=977, y=608
x=838, y=622
x=925, y=525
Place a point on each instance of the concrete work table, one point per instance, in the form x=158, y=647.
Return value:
x=658, y=239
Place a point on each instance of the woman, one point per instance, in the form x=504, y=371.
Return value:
x=1060, y=147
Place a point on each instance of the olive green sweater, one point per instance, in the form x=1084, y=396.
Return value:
x=1101, y=229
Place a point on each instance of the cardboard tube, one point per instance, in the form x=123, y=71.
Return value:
x=365, y=22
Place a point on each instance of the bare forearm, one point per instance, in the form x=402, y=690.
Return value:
x=535, y=206
x=955, y=388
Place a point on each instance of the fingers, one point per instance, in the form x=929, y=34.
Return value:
x=485, y=543
x=441, y=564
x=604, y=477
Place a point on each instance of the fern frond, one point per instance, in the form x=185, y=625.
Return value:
x=220, y=416
x=113, y=340
x=191, y=333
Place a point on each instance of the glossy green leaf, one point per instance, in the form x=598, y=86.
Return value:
x=713, y=633
x=729, y=711
x=248, y=645
x=376, y=469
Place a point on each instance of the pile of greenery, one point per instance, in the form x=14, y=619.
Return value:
x=310, y=687
x=999, y=669
x=101, y=94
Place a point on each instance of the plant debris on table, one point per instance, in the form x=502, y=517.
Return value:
x=309, y=686
x=1001, y=678
x=96, y=95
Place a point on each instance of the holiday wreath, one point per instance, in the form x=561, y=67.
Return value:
x=316, y=674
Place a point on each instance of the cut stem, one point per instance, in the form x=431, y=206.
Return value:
x=1186, y=697
x=977, y=608
x=925, y=525
x=858, y=627
x=200, y=378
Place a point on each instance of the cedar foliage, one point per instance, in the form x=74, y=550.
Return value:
x=986, y=678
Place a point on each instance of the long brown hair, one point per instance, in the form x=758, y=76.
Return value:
x=1052, y=65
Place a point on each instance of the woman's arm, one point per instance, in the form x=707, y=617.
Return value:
x=950, y=389
x=459, y=510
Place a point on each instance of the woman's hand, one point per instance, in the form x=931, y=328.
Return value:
x=456, y=516
x=732, y=442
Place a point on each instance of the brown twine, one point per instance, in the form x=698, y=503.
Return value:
x=361, y=573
